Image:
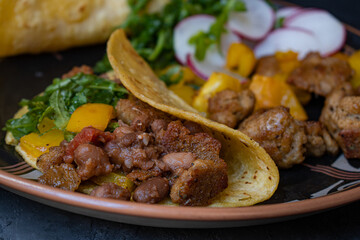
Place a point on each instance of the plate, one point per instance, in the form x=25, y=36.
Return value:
x=315, y=186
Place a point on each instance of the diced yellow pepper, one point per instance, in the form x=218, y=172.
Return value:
x=45, y=125
x=86, y=187
x=354, y=61
x=241, y=59
x=96, y=115
x=36, y=144
x=270, y=92
x=288, y=61
x=115, y=177
x=217, y=82
x=341, y=56
x=184, y=91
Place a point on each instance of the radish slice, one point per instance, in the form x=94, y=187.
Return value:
x=205, y=69
x=255, y=23
x=191, y=26
x=285, y=39
x=286, y=12
x=329, y=31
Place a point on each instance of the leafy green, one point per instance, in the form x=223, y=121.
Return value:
x=112, y=126
x=173, y=75
x=68, y=136
x=279, y=22
x=103, y=65
x=60, y=100
x=151, y=34
x=203, y=40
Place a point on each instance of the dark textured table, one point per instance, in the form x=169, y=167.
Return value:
x=21, y=218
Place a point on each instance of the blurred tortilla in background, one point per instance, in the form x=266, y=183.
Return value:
x=34, y=26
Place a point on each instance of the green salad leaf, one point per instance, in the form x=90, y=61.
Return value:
x=203, y=40
x=151, y=34
x=61, y=98
x=103, y=65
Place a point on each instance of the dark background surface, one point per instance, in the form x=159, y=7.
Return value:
x=21, y=218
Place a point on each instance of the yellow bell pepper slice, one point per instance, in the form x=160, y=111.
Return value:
x=288, y=61
x=115, y=177
x=270, y=92
x=96, y=115
x=341, y=56
x=45, y=125
x=184, y=91
x=36, y=144
x=217, y=82
x=354, y=61
x=241, y=59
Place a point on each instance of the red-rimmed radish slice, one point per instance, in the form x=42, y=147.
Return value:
x=206, y=68
x=286, y=12
x=285, y=39
x=329, y=31
x=187, y=28
x=255, y=23
x=191, y=26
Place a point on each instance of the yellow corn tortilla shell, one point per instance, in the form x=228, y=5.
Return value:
x=33, y=26
x=11, y=140
x=253, y=176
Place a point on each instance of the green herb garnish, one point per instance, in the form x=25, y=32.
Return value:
x=279, y=23
x=152, y=34
x=60, y=100
x=173, y=75
x=203, y=40
x=103, y=65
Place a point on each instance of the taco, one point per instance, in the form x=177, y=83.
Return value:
x=37, y=26
x=251, y=171
x=158, y=150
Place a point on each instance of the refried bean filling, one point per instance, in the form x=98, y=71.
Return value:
x=163, y=156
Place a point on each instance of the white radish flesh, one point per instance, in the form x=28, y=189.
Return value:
x=286, y=39
x=190, y=27
x=286, y=12
x=255, y=23
x=187, y=28
x=329, y=31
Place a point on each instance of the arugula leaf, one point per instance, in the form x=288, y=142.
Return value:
x=24, y=125
x=279, y=22
x=203, y=40
x=103, y=65
x=61, y=98
x=172, y=76
x=112, y=126
x=152, y=34
x=61, y=115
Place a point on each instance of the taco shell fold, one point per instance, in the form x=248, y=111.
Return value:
x=253, y=176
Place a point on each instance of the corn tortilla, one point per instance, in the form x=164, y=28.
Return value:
x=253, y=176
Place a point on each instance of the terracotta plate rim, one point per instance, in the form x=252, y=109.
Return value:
x=256, y=212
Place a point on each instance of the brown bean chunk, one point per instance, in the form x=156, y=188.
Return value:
x=179, y=160
x=152, y=191
x=52, y=158
x=91, y=161
x=111, y=190
x=63, y=176
x=320, y=75
x=200, y=183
